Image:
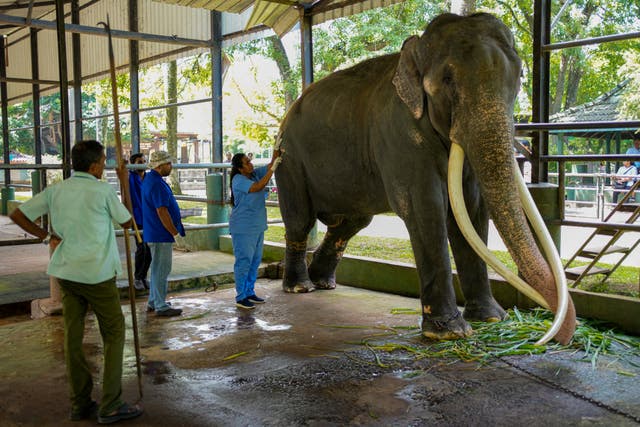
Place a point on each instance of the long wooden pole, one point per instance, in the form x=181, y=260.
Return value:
x=124, y=190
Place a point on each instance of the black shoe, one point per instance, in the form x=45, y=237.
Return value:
x=124, y=412
x=246, y=304
x=138, y=284
x=88, y=412
x=146, y=283
x=256, y=299
x=150, y=309
x=169, y=312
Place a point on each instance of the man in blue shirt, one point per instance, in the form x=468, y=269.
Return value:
x=162, y=225
x=85, y=261
x=635, y=150
x=143, y=253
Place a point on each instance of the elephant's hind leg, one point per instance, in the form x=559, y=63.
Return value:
x=340, y=229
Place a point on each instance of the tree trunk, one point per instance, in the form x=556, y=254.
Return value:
x=172, y=122
x=463, y=7
x=556, y=103
x=576, y=68
x=280, y=57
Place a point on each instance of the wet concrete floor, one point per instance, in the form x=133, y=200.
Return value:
x=298, y=361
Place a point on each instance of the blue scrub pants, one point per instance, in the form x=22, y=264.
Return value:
x=247, y=249
x=161, y=253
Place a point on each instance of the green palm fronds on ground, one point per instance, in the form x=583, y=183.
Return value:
x=514, y=336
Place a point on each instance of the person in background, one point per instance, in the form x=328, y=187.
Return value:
x=143, y=253
x=635, y=150
x=162, y=226
x=85, y=261
x=624, y=179
x=248, y=223
x=250, y=156
x=228, y=156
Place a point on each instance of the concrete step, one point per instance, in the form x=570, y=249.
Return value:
x=574, y=272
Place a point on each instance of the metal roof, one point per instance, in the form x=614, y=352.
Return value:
x=167, y=29
x=283, y=15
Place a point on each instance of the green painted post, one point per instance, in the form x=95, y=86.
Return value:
x=217, y=211
x=545, y=196
x=8, y=193
x=36, y=183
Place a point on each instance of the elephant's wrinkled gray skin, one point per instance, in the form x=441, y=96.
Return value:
x=376, y=137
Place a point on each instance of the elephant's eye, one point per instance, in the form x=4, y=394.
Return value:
x=447, y=79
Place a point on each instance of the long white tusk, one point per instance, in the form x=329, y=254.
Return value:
x=551, y=254
x=456, y=161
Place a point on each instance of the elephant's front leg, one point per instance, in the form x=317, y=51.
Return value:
x=340, y=229
x=472, y=271
x=296, y=279
x=441, y=318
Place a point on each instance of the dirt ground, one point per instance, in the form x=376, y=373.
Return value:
x=298, y=360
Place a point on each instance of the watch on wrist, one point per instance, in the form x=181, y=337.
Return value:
x=47, y=239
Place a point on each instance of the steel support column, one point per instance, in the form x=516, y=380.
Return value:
x=306, y=56
x=5, y=108
x=306, y=46
x=540, y=95
x=35, y=95
x=216, y=87
x=134, y=90
x=77, y=72
x=64, y=90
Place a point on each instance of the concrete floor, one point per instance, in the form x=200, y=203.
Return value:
x=298, y=360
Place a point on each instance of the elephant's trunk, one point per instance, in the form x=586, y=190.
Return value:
x=487, y=138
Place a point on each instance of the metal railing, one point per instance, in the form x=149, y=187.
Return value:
x=562, y=160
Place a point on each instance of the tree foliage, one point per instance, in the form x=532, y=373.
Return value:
x=579, y=74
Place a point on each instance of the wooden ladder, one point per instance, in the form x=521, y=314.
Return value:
x=597, y=251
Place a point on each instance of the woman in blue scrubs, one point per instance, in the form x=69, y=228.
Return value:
x=248, y=223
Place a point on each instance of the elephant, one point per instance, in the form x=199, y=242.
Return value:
x=376, y=138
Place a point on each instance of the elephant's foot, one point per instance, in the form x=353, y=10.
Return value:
x=324, y=284
x=321, y=279
x=298, y=288
x=486, y=312
x=296, y=279
x=451, y=327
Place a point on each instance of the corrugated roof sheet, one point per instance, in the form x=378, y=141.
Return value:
x=188, y=19
x=283, y=15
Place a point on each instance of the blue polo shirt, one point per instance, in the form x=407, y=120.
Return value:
x=155, y=194
x=249, y=212
x=81, y=210
x=634, y=150
x=135, y=191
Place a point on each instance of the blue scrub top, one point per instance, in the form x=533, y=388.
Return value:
x=249, y=213
x=155, y=194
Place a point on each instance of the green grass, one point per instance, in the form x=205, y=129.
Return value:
x=624, y=281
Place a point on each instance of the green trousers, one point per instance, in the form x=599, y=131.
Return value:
x=105, y=301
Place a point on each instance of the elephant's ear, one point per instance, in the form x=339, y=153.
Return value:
x=407, y=78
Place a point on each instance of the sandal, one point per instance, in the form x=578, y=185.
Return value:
x=124, y=412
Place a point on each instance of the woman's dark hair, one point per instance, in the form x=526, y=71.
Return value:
x=85, y=153
x=236, y=165
x=134, y=157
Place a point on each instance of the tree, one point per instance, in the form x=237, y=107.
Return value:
x=172, y=121
x=337, y=44
x=578, y=74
